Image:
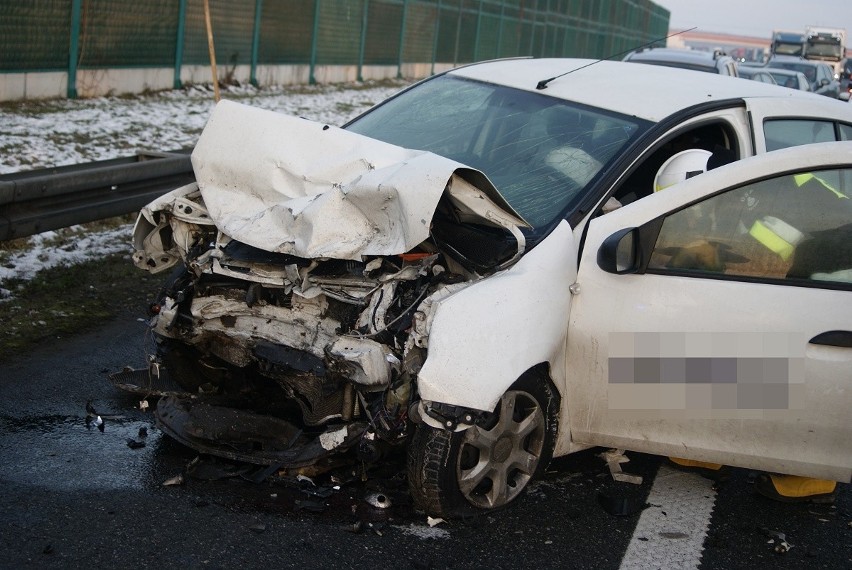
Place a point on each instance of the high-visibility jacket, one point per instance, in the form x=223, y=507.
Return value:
x=783, y=238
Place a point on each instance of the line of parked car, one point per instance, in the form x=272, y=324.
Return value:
x=788, y=71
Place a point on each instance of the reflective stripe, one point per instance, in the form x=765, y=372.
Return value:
x=771, y=240
x=807, y=177
x=782, y=229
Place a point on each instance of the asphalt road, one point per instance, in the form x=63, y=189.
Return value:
x=78, y=497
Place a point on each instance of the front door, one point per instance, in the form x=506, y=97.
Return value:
x=727, y=337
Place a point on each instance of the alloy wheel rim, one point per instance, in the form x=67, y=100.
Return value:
x=497, y=460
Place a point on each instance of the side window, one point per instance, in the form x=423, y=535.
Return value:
x=796, y=228
x=846, y=132
x=783, y=133
x=717, y=137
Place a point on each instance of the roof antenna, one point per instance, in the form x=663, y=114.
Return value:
x=543, y=83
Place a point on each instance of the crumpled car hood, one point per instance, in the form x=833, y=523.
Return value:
x=288, y=185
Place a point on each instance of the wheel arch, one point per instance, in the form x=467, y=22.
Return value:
x=436, y=454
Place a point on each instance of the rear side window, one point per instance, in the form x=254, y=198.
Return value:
x=785, y=133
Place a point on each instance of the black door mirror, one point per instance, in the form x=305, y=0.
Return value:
x=618, y=253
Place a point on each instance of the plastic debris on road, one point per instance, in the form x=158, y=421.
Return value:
x=614, y=458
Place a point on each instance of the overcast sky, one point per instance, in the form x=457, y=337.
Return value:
x=757, y=17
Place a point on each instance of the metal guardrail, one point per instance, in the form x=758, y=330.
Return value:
x=40, y=200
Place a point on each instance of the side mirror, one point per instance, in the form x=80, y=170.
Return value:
x=618, y=253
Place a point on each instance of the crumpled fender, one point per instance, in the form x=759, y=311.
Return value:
x=160, y=241
x=483, y=337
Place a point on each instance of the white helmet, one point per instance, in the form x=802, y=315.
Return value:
x=681, y=166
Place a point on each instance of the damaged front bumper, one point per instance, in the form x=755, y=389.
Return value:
x=242, y=435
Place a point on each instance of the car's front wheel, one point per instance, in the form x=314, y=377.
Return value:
x=488, y=465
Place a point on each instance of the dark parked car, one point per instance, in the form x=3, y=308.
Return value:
x=845, y=75
x=819, y=75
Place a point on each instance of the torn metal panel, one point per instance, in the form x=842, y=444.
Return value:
x=370, y=363
x=168, y=227
x=299, y=326
x=472, y=205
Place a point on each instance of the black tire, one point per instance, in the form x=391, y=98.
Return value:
x=486, y=467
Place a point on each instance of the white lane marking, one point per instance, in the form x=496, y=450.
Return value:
x=671, y=532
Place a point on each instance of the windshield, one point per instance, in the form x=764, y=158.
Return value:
x=787, y=48
x=541, y=153
x=826, y=49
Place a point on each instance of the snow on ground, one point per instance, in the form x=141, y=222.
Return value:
x=54, y=133
x=424, y=532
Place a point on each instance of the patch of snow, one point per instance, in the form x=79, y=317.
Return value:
x=55, y=133
x=424, y=532
x=43, y=253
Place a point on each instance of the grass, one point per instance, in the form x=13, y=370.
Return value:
x=345, y=107
x=64, y=301
x=35, y=107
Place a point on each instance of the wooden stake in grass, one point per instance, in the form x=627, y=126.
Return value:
x=211, y=49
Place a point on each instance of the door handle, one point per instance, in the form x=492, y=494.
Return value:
x=834, y=338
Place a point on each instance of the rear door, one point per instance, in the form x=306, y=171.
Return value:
x=782, y=123
x=728, y=337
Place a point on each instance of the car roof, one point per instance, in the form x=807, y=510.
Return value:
x=793, y=59
x=751, y=70
x=648, y=92
x=695, y=57
x=784, y=71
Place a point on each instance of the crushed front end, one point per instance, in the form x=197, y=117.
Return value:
x=296, y=316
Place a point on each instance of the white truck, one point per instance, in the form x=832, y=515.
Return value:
x=826, y=44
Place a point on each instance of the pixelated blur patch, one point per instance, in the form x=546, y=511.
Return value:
x=705, y=371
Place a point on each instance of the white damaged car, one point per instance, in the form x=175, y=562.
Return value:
x=491, y=268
